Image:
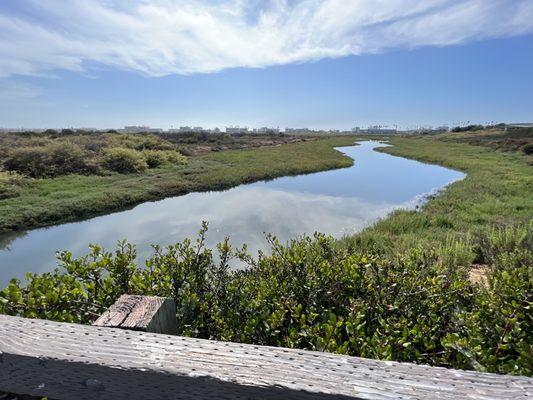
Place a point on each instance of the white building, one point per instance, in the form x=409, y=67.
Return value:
x=135, y=129
x=236, y=129
x=266, y=130
x=298, y=131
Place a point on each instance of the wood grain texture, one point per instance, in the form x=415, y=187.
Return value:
x=142, y=313
x=68, y=361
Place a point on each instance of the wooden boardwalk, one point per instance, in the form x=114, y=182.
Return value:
x=68, y=361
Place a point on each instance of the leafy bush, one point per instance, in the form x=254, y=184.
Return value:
x=495, y=335
x=47, y=161
x=10, y=183
x=528, y=149
x=157, y=158
x=124, y=160
x=138, y=142
x=310, y=294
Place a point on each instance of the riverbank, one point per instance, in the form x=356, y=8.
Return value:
x=497, y=191
x=69, y=198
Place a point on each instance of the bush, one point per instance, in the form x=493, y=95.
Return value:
x=157, y=158
x=50, y=160
x=528, y=149
x=124, y=160
x=10, y=183
x=154, y=158
x=138, y=142
x=311, y=294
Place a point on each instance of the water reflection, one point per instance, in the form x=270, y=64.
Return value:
x=335, y=202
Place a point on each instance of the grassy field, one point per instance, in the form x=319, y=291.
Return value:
x=72, y=197
x=497, y=191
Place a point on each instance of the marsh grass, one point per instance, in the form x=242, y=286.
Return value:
x=73, y=197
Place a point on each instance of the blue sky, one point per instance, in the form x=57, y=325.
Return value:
x=320, y=64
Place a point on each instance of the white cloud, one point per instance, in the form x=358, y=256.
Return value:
x=14, y=92
x=162, y=37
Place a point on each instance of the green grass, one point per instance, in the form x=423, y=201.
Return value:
x=74, y=197
x=498, y=190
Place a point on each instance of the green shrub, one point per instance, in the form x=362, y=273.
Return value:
x=528, y=148
x=10, y=184
x=495, y=335
x=50, y=160
x=124, y=160
x=157, y=158
x=154, y=158
x=175, y=158
x=309, y=294
x=138, y=142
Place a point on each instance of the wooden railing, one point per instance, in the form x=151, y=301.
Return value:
x=69, y=361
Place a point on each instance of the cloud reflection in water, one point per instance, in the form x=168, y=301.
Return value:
x=338, y=202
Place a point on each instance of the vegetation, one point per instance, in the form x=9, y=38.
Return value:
x=497, y=191
x=450, y=284
x=314, y=294
x=11, y=184
x=468, y=128
x=528, y=149
x=49, y=155
x=511, y=139
x=117, y=171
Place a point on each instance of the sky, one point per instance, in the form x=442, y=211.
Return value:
x=325, y=64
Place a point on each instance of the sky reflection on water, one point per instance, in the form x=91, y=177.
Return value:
x=337, y=202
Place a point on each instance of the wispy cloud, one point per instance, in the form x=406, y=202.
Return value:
x=162, y=37
x=15, y=92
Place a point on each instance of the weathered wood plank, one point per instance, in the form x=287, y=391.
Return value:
x=68, y=361
x=141, y=313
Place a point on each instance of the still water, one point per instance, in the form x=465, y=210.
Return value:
x=338, y=202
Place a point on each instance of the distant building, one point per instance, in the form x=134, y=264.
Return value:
x=135, y=129
x=521, y=125
x=380, y=131
x=266, y=130
x=298, y=131
x=236, y=129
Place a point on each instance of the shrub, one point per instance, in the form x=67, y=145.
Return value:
x=309, y=294
x=157, y=158
x=528, y=148
x=138, y=142
x=10, y=183
x=50, y=160
x=186, y=152
x=154, y=158
x=124, y=160
x=175, y=158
